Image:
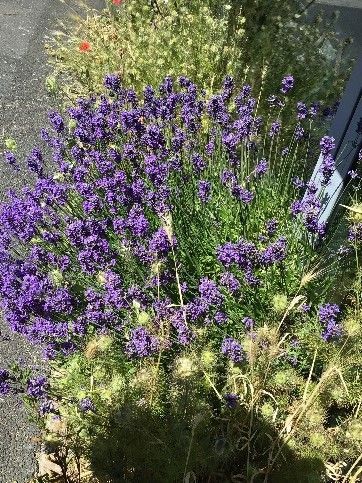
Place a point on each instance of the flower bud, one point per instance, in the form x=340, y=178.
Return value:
x=208, y=358
x=56, y=277
x=267, y=410
x=317, y=440
x=185, y=367
x=280, y=303
x=143, y=318
x=101, y=278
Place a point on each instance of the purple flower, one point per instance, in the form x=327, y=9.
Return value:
x=298, y=182
x=243, y=95
x=92, y=204
x=353, y=174
x=137, y=222
x=274, y=253
x=287, y=84
x=35, y=162
x=159, y=244
x=302, y=110
x=204, y=191
x=141, y=343
x=242, y=194
x=228, y=87
x=154, y=138
x=327, y=144
x=261, y=167
x=299, y=132
x=86, y=405
x=314, y=109
x=305, y=308
x=243, y=253
x=274, y=128
x=248, y=323
x=178, y=321
x=209, y=292
x=355, y=233
x=309, y=208
x=217, y=110
x=196, y=309
x=60, y=301
x=198, y=163
x=251, y=279
x=328, y=314
x=220, y=318
x=56, y=121
x=166, y=86
x=232, y=349
x=228, y=178
x=37, y=387
x=47, y=407
x=231, y=400
x=229, y=281
x=156, y=171
x=327, y=168
x=271, y=226
x=210, y=147
x=4, y=382
x=11, y=159
x=112, y=82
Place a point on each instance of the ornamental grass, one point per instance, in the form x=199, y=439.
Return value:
x=170, y=262
x=205, y=40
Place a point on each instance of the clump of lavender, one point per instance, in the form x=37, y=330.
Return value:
x=204, y=191
x=327, y=167
x=232, y=350
x=162, y=226
x=328, y=315
x=37, y=387
x=287, y=84
x=310, y=208
x=141, y=343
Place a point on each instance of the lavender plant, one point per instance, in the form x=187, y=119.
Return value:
x=167, y=268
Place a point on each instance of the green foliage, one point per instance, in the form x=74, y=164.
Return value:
x=166, y=417
x=156, y=423
x=204, y=40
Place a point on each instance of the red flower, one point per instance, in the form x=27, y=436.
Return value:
x=85, y=46
x=116, y=2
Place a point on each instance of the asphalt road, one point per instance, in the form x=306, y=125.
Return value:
x=24, y=25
